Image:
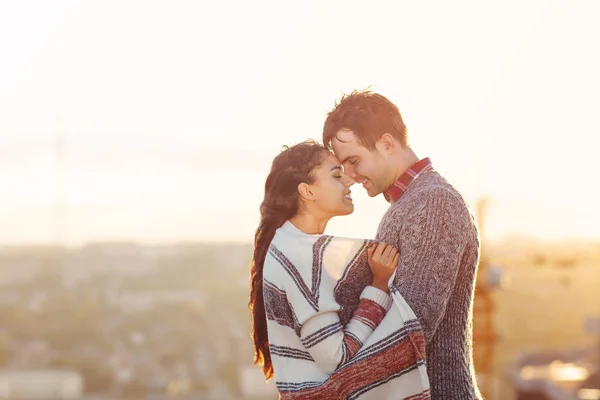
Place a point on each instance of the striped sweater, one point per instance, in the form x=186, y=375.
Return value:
x=330, y=336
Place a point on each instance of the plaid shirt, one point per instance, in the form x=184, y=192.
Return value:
x=396, y=191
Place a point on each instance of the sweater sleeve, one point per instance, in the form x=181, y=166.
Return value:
x=432, y=242
x=329, y=342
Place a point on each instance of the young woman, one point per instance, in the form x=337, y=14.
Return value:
x=318, y=302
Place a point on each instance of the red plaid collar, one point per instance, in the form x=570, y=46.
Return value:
x=396, y=191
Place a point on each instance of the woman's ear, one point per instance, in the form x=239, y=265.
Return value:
x=305, y=191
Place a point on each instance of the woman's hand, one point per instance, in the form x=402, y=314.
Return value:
x=383, y=260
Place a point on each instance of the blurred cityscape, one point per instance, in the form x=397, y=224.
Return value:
x=120, y=321
x=129, y=321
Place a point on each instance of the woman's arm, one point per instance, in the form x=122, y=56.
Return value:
x=331, y=344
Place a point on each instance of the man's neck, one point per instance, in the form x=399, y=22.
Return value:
x=406, y=159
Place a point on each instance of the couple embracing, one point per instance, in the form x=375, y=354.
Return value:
x=345, y=318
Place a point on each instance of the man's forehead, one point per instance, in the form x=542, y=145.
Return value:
x=344, y=145
x=345, y=136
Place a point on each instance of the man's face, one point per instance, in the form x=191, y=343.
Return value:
x=366, y=167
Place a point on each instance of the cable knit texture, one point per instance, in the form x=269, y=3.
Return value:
x=438, y=240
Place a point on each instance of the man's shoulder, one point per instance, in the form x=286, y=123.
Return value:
x=433, y=181
x=428, y=186
x=430, y=190
x=434, y=185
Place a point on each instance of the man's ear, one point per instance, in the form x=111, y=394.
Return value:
x=387, y=144
x=305, y=191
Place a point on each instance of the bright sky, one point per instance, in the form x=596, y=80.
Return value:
x=171, y=112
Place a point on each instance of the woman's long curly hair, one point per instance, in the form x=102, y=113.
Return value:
x=294, y=165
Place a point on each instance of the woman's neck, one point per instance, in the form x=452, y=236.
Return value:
x=309, y=223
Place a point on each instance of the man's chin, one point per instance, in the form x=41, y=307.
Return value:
x=373, y=193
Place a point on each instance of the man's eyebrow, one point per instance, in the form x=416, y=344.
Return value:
x=346, y=159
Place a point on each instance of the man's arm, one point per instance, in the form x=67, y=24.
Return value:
x=432, y=242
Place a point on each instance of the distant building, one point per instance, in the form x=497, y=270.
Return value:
x=41, y=384
x=18, y=271
x=566, y=374
x=119, y=259
x=30, y=352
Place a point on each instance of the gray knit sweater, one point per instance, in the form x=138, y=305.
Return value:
x=438, y=240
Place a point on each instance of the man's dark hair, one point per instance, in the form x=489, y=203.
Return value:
x=369, y=115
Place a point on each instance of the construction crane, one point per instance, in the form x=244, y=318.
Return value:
x=59, y=204
x=484, y=333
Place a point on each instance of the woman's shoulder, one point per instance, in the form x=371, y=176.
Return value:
x=286, y=253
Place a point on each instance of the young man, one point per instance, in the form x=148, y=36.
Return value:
x=430, y=224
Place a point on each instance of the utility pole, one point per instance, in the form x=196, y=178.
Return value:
x=484, y=333
x=59, y=184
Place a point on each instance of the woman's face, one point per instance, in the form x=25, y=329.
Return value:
x=331, y=189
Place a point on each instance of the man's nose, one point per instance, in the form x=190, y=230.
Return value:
x=350, y=172
x=348, y=181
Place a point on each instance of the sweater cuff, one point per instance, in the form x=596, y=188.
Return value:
x=378, y=296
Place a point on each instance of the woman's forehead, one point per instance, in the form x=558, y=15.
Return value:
x=331, y=161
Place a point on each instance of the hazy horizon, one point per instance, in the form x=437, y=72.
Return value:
x=508, y=239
